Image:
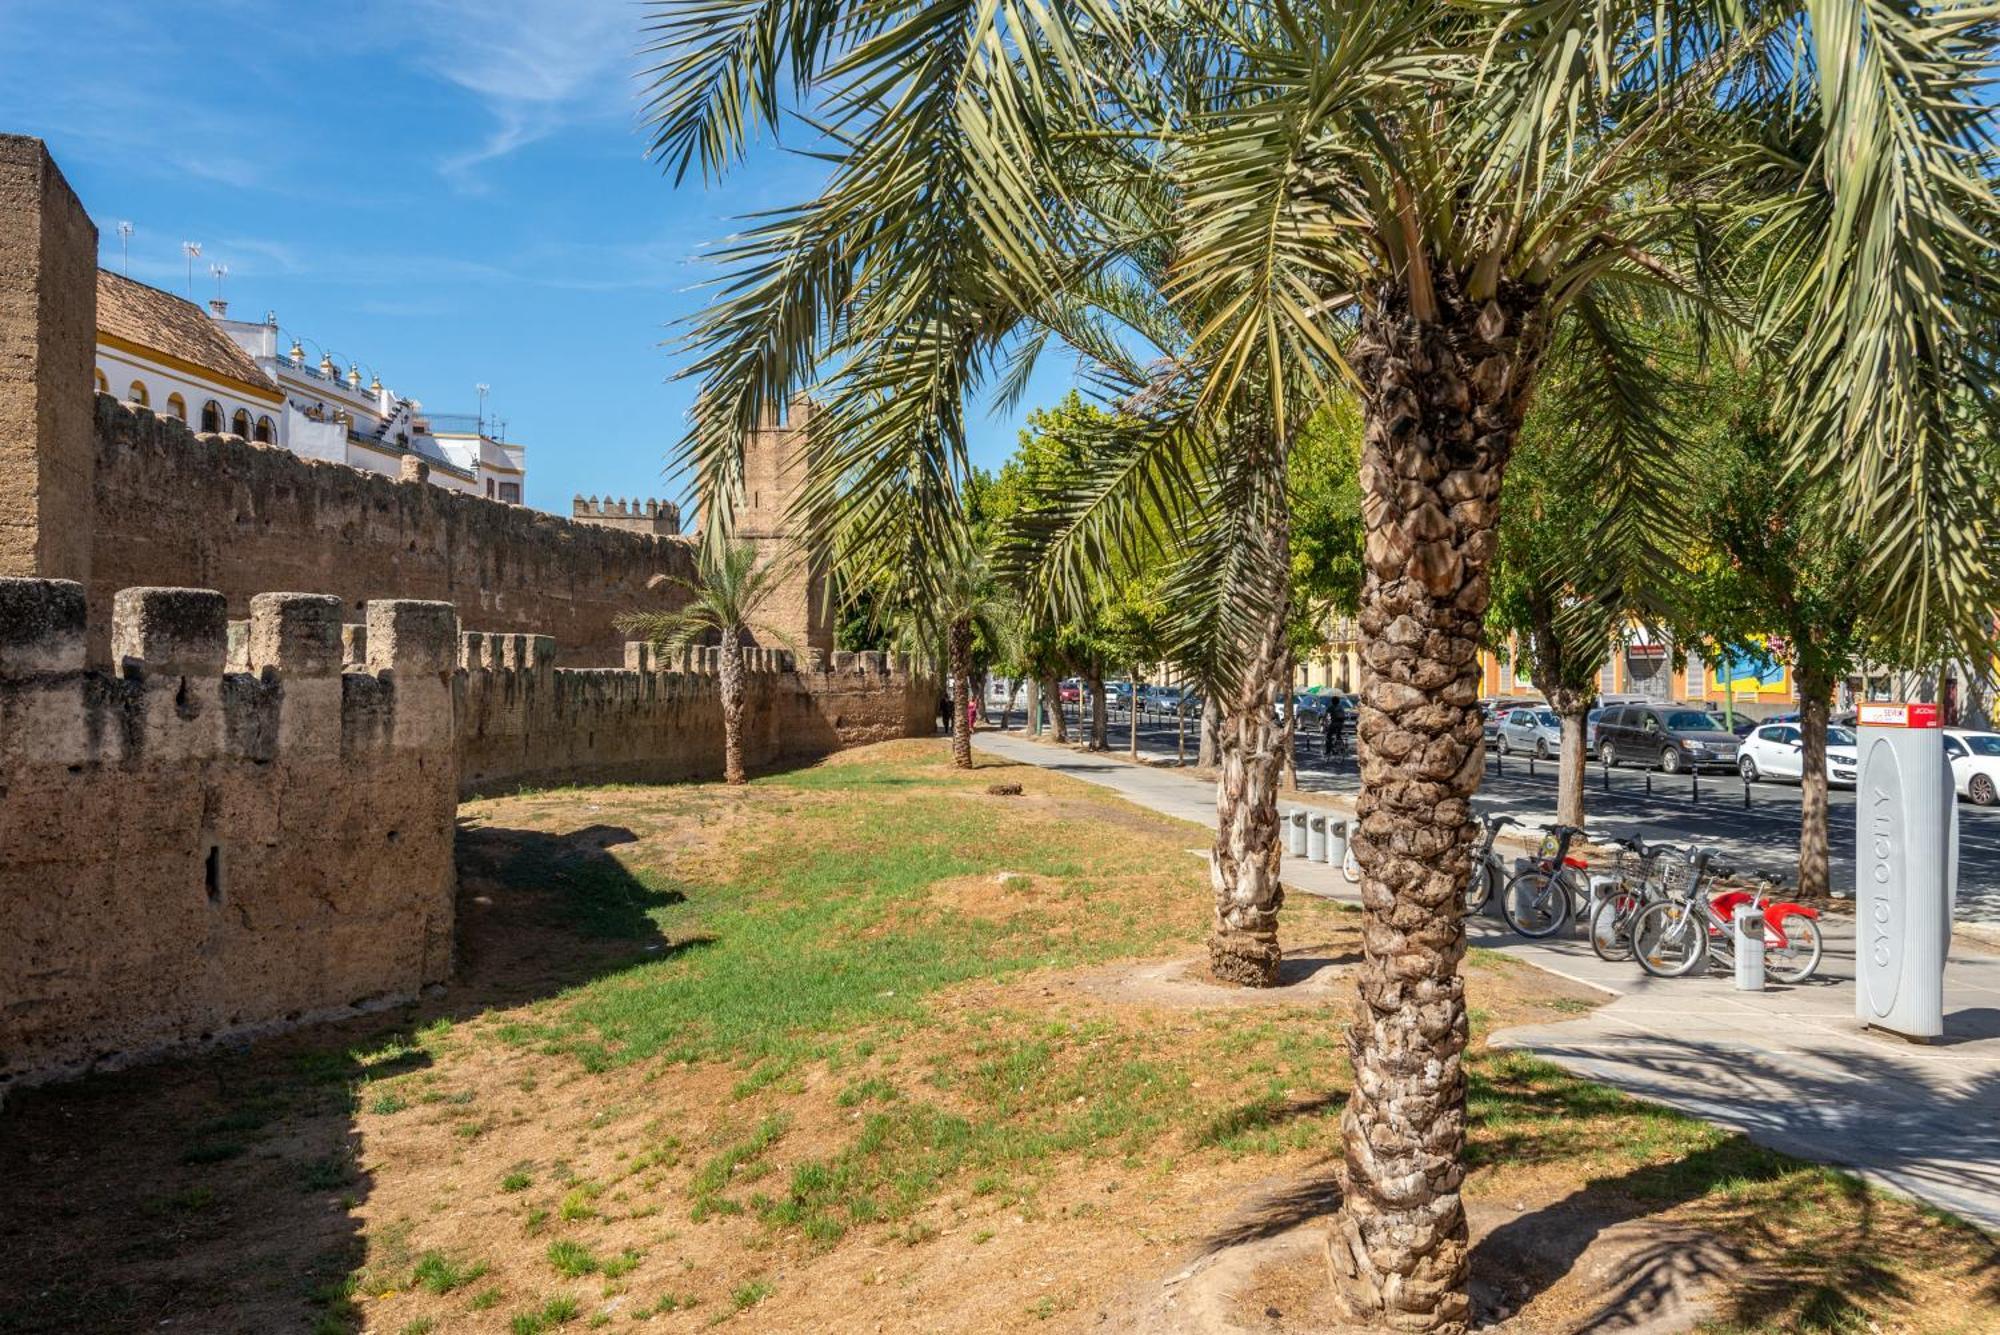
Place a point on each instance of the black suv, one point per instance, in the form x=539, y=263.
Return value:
x=1674, y=737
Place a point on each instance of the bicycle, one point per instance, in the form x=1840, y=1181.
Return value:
x=1540, y=899
x=1642, y=875
x=1487, y=869
x=1676, y=936
x=1350, y=864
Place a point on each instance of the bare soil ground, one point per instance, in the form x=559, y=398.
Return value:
x=866, y=1048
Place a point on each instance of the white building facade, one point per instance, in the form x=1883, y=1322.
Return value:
x=159, y=351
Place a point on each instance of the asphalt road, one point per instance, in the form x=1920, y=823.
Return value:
x=1760, y=837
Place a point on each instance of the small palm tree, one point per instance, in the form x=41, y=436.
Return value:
x=965, y=607
x=725, y=599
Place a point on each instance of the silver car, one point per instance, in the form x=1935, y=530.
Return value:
x=1530, y=729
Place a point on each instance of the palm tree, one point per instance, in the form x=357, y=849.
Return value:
x=965, y=608
x=725, y=600
x=1416, y=197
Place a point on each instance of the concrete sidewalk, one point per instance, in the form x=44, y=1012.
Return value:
x=1788, y=1067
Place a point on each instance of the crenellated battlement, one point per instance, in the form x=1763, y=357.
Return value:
x=660, y=518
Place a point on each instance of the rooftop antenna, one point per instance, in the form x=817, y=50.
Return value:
x=125, y=249
x=221, y=271
x=483, y=391
x=191, y=249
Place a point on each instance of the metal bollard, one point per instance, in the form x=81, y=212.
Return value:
x=1607, y=777
x=1746, y=794
x=1694, y=786
x=1748, y=921
x=1316, y=838
x=1338, y=835
x=1649, y=783
x=1531, y=767
x=1295, y=832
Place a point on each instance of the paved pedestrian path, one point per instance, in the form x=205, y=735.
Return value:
x=1789, y=1067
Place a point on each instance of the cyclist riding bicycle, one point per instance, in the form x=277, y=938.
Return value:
x=1335, y=739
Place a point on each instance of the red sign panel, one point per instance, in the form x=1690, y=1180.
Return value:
x=1898, y=716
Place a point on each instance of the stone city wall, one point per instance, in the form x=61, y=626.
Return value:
x=188, y=853
x=524, y=721
x=220, y=512
x=228, y=826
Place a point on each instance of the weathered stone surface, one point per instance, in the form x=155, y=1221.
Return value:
x=170, y=506
x=184, y=631
x=295, y=633
x=41, y=626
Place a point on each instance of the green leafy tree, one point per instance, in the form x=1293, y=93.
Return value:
x=725, y=603
x=1776, y=562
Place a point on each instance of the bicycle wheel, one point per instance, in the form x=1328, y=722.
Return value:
x=1478, y=887
x=1611, y=926
x=1669, y=939
x=1798, y=959
x=1535, y=905
x=1350, y=866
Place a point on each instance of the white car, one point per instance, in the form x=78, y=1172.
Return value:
x=1975, y=763
x=1538, y=731
x=1777, y=751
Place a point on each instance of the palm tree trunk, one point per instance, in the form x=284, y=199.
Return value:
x=1243, y=867
x=729, y=678
x=958, y=650
x=1243, y=870
x=1815, y=702
x=1444, y=394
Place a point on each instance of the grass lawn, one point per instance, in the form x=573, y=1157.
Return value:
x=858, y=1047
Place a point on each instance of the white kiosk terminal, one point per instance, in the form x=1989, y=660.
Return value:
x=1905, y=869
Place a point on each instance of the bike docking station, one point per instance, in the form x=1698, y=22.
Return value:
x=1905, y=870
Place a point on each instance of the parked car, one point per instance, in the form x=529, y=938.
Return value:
x=1071, y=691
x=1777, y=751
x=1309, y=708
x=1165, y=699
x=1975, y=763
x=1530, y=729
x=1677, y=738
x=1495, y=708
x=1590, y=722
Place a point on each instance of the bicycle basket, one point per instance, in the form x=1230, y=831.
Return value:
x=1677, y=876
x=1635, y=867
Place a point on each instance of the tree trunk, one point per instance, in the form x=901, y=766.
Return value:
x=1571, y=765
x=1133, y=743
x=1100, y=716
x=1058, y=720
x=1180, y=733
x=1205, y=749
x=729, y=679
x=1007, y=713
x=1815, y=701
x=1243, y=868
x=1443, y=398
x=1034, y=719
x=958, y=649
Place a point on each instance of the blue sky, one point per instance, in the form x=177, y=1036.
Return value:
x=448, y=191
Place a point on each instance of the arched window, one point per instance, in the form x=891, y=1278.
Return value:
x=211, y=416
x=267, y=430
x=103, y=385
x=240, y=423
x=177, y=407
x=137, y=394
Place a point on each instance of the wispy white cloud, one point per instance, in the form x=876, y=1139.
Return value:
x=536, y=66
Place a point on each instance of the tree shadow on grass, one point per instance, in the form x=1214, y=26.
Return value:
x=1836, y=1238
x=221, y=1191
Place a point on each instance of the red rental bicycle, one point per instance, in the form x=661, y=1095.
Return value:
x=1677, y=935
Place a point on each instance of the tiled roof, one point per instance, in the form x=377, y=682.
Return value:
x=172, y=325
